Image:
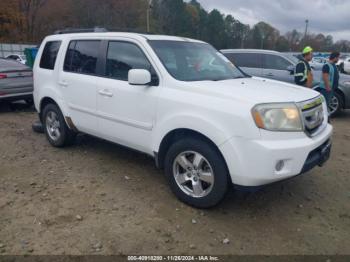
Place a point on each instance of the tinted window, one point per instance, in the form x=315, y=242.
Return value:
x=245, y=59
x=123, y=56
x=81, y=57
x=275, y=62
x=48, y=58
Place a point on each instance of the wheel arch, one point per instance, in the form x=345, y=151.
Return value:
x=175, y=135
x=48, y=100
x=44, y=102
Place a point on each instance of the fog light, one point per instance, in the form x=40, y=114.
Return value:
x=279, y=165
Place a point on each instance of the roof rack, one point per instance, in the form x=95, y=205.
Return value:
x=129, y=30
x=81, y=30
x=100, y=30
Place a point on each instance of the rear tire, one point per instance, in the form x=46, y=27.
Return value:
x=55, y=127
x=196, y=172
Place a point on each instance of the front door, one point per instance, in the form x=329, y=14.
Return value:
x=126, y=113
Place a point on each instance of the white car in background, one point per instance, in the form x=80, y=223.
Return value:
x=19, y=58
x=317, y=63
x=344, y=64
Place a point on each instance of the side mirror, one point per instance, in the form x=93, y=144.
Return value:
x=139, y=77
x=290, y=69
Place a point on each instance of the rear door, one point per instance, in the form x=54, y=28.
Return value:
x=250, y=63
x=78, y=82
x=276, y=67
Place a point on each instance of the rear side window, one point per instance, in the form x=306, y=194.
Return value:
x=81, y=57
x=123, y=56
x=250, y=60
x=48, y=58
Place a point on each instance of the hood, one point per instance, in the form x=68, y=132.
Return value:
x=255, y=90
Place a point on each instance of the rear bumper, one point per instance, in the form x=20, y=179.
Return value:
x=252, y=163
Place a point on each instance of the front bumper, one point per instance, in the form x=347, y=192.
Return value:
x=318, y=156
x=252, y=163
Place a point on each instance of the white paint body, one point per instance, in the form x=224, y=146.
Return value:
x=140, y=116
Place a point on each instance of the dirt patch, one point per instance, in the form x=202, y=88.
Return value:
x=99, y=198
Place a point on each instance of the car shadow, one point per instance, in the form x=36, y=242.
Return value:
x=345, y=114
x=18, y=106
x=284, y=194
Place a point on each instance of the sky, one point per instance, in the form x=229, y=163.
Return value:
x=325, y=16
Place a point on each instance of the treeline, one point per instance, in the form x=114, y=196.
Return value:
x=28, y=21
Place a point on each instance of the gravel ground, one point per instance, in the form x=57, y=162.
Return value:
x=98, y=198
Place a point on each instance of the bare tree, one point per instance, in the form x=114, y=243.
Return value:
x=29, y=10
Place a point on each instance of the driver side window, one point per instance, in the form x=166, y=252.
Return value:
x=123, y=56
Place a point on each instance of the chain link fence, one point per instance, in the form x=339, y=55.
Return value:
x=8, y=49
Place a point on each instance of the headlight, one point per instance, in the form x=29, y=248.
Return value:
x=277, y=117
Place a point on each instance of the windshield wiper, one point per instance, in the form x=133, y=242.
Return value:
x=222, y=79
x=240, y=77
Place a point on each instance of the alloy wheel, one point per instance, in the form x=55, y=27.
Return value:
x=193, y=174
x=333, y=105
x=53, y=126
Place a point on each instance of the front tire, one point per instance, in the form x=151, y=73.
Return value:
x=336, y=105
x=196, y=172
x=55, y=127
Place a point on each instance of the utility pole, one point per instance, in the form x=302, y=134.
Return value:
x=262, y=34
x=306, y=28
x=149, y=7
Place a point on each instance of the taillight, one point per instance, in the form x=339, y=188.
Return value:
x=3, y=76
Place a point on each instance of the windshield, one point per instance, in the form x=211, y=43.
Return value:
x=190, y=61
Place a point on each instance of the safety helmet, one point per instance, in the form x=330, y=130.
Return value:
x=307, y=50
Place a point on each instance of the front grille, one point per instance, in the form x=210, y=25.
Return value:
x=313, y=115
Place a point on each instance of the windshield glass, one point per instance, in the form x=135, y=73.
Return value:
x=190, y=61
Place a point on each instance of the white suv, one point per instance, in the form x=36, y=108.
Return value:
x=181, y=101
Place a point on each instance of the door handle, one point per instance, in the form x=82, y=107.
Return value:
x=63, y=83
x=105, y=93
